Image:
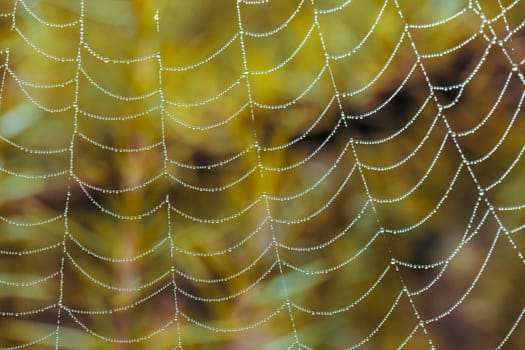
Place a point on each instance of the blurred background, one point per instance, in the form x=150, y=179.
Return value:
x=262, y=175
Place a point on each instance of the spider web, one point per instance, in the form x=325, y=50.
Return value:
x=262, y=174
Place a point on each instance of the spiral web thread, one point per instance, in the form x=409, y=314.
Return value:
x=276, y=226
